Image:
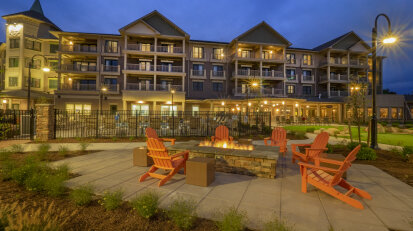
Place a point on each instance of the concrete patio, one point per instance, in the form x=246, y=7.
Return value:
x=262, y=199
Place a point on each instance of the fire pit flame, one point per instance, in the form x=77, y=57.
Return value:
x=227, y=145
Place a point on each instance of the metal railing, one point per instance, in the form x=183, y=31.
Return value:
x=338, y=93
x=198, y=73
x=80, y=124
x=217, y=56
x=139, y=67
x=358, y=62
x=108, y=68
x=165, y=68
x=217, y=73
x=79, y=48
x=78, y=68
x=274, y=56
x=140, y=47
x=168, y=87
x=166, y=49
x=292, y=78
x=307, y=78
x=139, y=87
x=17, y=124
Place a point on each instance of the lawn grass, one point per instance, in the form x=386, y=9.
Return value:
x=383, y=138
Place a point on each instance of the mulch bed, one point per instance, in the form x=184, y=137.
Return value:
x=52, y=156
x=94, y=216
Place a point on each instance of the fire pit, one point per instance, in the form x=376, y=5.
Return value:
x=249, y=160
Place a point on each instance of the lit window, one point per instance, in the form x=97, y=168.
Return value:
x=79, y=108
x=290, y=89
x=146, y=47
x=218, y=53
x=195, y=110
x=14, y=43
x=394, y=113
x=384, y=113
x=140, y=109
x=198, y=52
x=290, y=58
x=111, y=46
x=13, y=81
x=307, y=60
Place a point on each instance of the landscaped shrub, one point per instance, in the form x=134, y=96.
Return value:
x=310, y=130
x=276, y=225
x=112, y=200
x=146, y=204
x=29, y=167
x=4, y=154
x=366, y=153
x=407, y=150
x=82, y=195
x=84, y=146
x=232, y=220
x=42, y=151
x=353, y=145
x=63, y=150
x=131, y=138
x=300, y=135
x=62, y=170
x=17, y=148
x=182, y=213
x=36, y=181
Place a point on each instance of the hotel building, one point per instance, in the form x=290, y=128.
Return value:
x=140, y=67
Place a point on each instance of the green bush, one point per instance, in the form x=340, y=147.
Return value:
x=17, y=148
x=4, y=154
x=112, y=200
x=36, y=181
x=182, y=213
x=146, y=204
x=232, y=220
x=353, y=145
x=300, y=135
x=82, y=195
x=276, y=225
x=42, y=151
x=131, y=138
x=407, y=150
x=63, y=150
x=84, y=146
x=62, y=170
x=29, y=167
x=366, y=153
x=310, y=130
x=6, y=169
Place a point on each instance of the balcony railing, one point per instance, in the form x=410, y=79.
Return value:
x=338, y=93
x=139, y=87
x=165, y=68
x=248, y=72
x=168, y=87
x=109, y=68
x=112, y=87
x=337, y=77
x=78, y=68
x=274, y=56
x=198, y=56
x=217, y=56
x=291, y=61
x=273, y=74
x=307, y=78
x=219, y=74
x=77, y=86
x=198, y=73
x=140, y=47
x=358, y=62
x=165, y=49
x=271, y=91
x=307, y=62
x=139, y=67
x=246, y=55
x=78, y=48
x=292, y=78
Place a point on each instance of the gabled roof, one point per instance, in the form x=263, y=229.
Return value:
x=159, y=23
x=345, y=41
x=263, y=33
x=35, y=12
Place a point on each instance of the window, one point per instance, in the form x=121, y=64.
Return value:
x=198, y=52
x=54, y=48
x=307, y=73
x=14, y=43
x=111, y=63
x=52, y=83
x=384, y=113
x=14, y=62
x=306, y=90
x=198, y=86
x=218, y=70
x=145, y=65
x=32, y=45
x=290, y=74
x=265, y=55
x=245, y=53
x=369, y=111
x=37, y=63
x=84, y=66
x=113, y=109
x=111, y=46
x=401, y=113
x=146, y=47
x=218, y=53
x=167, y=108
x=198, y=69
x=79, y=108
x=111, y=83
x=15, y=106
x=140, y=109
x=53, y=64
x=307, y=60
x=217, y=86
x=394, y=113
x=87, y=84
x=195, y=110
x=290, y=58
x=290, y=89
x=35, y=83
x=13, y=81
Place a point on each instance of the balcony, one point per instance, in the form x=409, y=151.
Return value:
x=112, y=87
x=168, y=87
x=335, y=78
x=273, y=74
x=338, y=93
x=247, y=73
x=171, y=50
x=307, y=79
x=217, y=74
x=335, y=62
x=198, y=74
x=78, y=49
x=168, y=68
x=198, y=57
x=292, y=78
x=358, y=63
x=110, y=70
x=138, y=67
x=139, y=86
x=271, y=91
x=77, y=86
x=273, y=57
x=140, y=47
x=217, y=58
x=78, y=68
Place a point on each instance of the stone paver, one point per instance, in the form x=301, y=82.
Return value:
x=261, y=199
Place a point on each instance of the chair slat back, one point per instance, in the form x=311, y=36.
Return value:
x=222, y=132
x=346, y=165
x=320, y=141
x=156, y=149
x=279, y=134
x=151, y=133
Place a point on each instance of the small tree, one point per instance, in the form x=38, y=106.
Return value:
x=356, y=105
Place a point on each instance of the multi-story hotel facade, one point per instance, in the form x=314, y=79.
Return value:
x=152, y=64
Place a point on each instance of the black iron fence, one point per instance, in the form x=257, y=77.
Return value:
x=17, y=124
x=69, y=124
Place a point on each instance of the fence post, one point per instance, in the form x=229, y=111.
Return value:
x=97, y=124
x=173, y=122
x=31, y=124
x=207, y=121
x=54, y=124
x=269, y=115
x=239, y=123
x=136, y=123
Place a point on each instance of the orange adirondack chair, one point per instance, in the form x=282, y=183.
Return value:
x=315, y=149
x=162, y=160
x=151, y=133
x=278, y=138
x=221, y=134
x=326, y=178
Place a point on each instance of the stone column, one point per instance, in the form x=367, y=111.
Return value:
x=45, y=122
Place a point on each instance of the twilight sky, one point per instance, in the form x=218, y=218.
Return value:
x=305, y=23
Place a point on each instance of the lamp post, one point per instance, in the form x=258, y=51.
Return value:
x=102, y=90
x=29, y=79
x=389, y=39
x=173, y=116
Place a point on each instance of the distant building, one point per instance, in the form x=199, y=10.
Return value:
x=137, y=69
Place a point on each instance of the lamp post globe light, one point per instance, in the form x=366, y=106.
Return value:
x=29, y=78
x=387, y=40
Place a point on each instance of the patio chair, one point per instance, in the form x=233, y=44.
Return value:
x=314, y=151
x=325, y=179
x=151, y=133
x=161, y=159
x=278, y=138
x=221, y=134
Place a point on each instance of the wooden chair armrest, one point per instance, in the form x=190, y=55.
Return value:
x=266, y=140
x=316, y=149
x=306, y=165
x=231, y=138
x=160, y=157
x=169, y=140
x=184, y=154
x=330, y=161
x=294, y=146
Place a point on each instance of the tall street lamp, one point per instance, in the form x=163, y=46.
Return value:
x=173, y=116
x=29, y=79
x=387, y=40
